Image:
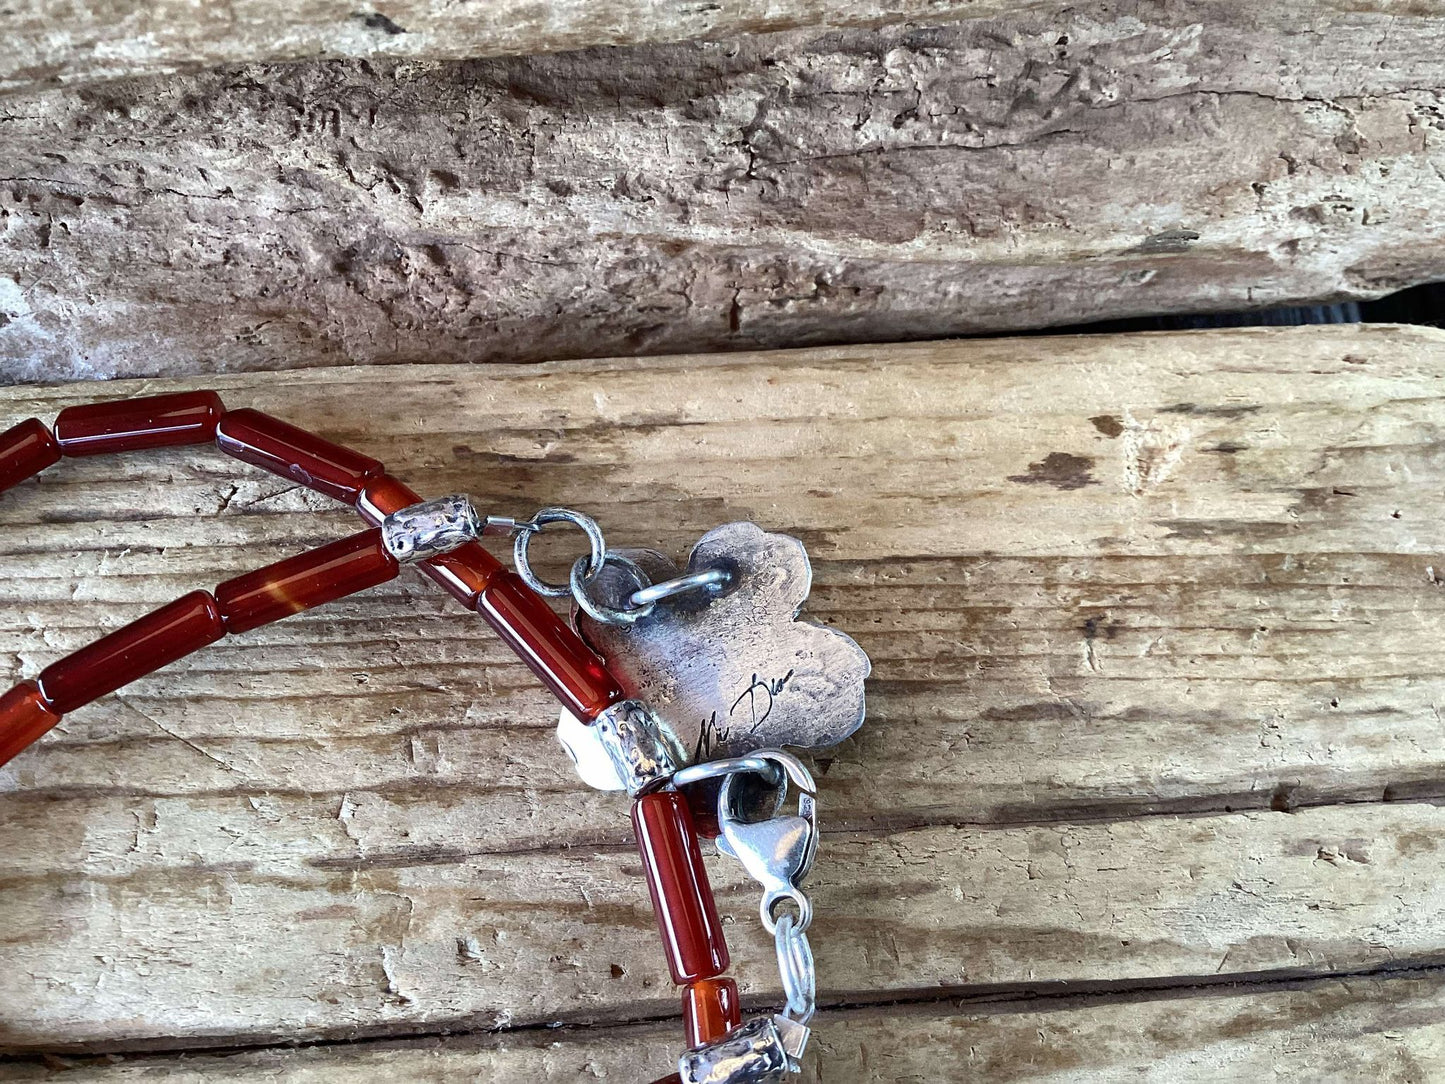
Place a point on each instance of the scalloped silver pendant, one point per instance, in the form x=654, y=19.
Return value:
x=732, y=670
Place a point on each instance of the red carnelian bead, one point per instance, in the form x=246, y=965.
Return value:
x=383, y=496
x=692, y=935
x=283, y=449
x=710, y=1009
x=702, y=803
x=152, y=421
x=555, y=653
x=25, y=449
x=465, y=572
x=175, y=630
x=306, y=580
x=24, y=716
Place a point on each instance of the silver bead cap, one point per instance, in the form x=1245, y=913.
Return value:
x=638, y=746
x=419, y=532
x=752, y=1053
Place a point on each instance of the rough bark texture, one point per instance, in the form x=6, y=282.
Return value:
x=800, y=187
x=1155, y=710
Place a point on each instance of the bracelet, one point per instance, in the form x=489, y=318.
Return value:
x=678, y=686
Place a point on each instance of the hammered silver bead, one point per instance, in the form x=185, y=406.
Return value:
x=419, y=532
x=752, y=1053
x=643, y=749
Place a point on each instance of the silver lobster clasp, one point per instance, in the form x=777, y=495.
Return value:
x=778, y=852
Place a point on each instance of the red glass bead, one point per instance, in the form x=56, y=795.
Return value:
x=465, y=572
x=25, y=449
x=710, y=1009
x=175, y=630
x=151, y=421
x=555, y=653
x=283, y=449
x=383, y=496
x=306, y=580
x=702, y=803
x=692, y=934
x=24, y=716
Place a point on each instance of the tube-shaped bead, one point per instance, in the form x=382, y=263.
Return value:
x=702, y=803
x=306, y=580
x=555, y=653
x=687, y=918
x=175, y=630
x=24, y=716
x=25, y=449
x=710, y=1009
x=382, y=496
x=464, y=573
x=283, y=449
x=150, y=421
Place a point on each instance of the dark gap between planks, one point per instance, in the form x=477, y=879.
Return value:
x=983, y=999
x=1424, y=305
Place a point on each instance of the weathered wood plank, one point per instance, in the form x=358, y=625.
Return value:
x=907, y=181
x=255, y=940
x=61, y=41
x=1099, y=577
x=1365, y=1030
x=51, y=41
x=1214, y=598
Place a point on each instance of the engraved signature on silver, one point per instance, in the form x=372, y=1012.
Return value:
x=733, y=670
x=714, y=735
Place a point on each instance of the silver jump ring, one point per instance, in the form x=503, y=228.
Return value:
x=796, y=968
x=792, y=895
x=525, y=531
x=711, y=769
x=582, y=578
x=707, y=579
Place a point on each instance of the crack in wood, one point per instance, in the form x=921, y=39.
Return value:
x=990, y=999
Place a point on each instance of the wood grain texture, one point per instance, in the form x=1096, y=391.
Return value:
x=50, y=41
x=1362, y=1030
x=63, y=41
x=900, y=181
x=1153, y=622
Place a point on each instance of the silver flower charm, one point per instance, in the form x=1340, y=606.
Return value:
x=731, y=670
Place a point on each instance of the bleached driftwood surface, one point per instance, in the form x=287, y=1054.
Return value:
x=1149, y=784
x=1026, y=167
x=63, y=41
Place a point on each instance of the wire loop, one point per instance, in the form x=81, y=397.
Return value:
x=525, y=531
x=709, y=579
x=580, y=585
